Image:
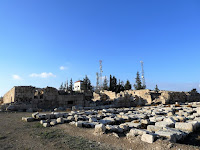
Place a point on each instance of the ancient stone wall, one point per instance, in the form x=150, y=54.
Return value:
x=111, y=95
x=26, y=97
x=24, y=94
x=9, y=97
x=71, y=100
x=96, y=96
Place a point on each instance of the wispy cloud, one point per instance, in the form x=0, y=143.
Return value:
x=63, y=68
x=16, y=77
x=43, y=75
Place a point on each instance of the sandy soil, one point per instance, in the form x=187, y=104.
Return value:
x=16, y=134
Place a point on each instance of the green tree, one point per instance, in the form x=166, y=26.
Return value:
x=66, y=87
x=138, y=83
x=61, y=86
x=127, y=85
x=105, y=84
x=87, y=84
x=156, y=89
x=71, y=85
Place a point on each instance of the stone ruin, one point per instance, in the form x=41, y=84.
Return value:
x=28, y=98
x=130, y=98
x=171, y=122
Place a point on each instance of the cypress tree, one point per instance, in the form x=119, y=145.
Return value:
x=127, y=85
x=138, y=83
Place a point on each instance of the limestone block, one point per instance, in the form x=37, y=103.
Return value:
x=60, y=120
x=48, y=116
x=92, y=119
x=133, y=125
x=100, y=129
x=198, y=110
x=135, y=132
x=46, y=125
x=184, y=126
x=40, y=116
x=149, y=138
x=28, y=119
x=34, y=114
x=170, y=113
x=125, y=117
x=53, y=122
x=153, y=128
x=79, y=124
x=170, y=120
x=89, y=124
x=107, y=120
x=164, y=124
x=145, y=121
x=159, y=118
x=72, y=123
x=152, y=119
x=124, y=126
x=42, y=121
x=114, y=128
x=57, y=115
x=178, y=134
x=169, y=135
x=195, y=124
x=70, y=118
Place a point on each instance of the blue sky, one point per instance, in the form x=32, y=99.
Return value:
x=39, y=37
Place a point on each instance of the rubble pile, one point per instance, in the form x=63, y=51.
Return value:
x=171, y=122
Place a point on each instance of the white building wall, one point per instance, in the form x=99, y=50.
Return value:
x=77, y=86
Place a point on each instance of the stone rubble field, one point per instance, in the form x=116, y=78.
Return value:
x=171, y=122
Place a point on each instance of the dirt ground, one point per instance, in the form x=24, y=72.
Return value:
x=16, y=134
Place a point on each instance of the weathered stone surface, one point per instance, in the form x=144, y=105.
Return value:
x=34, y=114
x=53, y=122
x=198, y=110
x=184, y=126
x=42, y=121
x=114, y=128
x=92, y=119
x=164, y=124
x=170, y=120
x=79, y=124
x=60, y=120
x=169, y=135
x=133, y=125
x=149, y=138
x=100, y=129
x=153, y=128
x=135, y=132
x=28, y=119
x=46, y=124
x=124, y=126
x=178, y=134
x=145, y=121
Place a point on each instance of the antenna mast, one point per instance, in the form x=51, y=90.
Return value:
x=143, y=79
x=97, y=83
x=100, y=73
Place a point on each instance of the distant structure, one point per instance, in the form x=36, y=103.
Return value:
x=100, y=73
x=143, y=79
x=97, y=83
x=78, y=86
